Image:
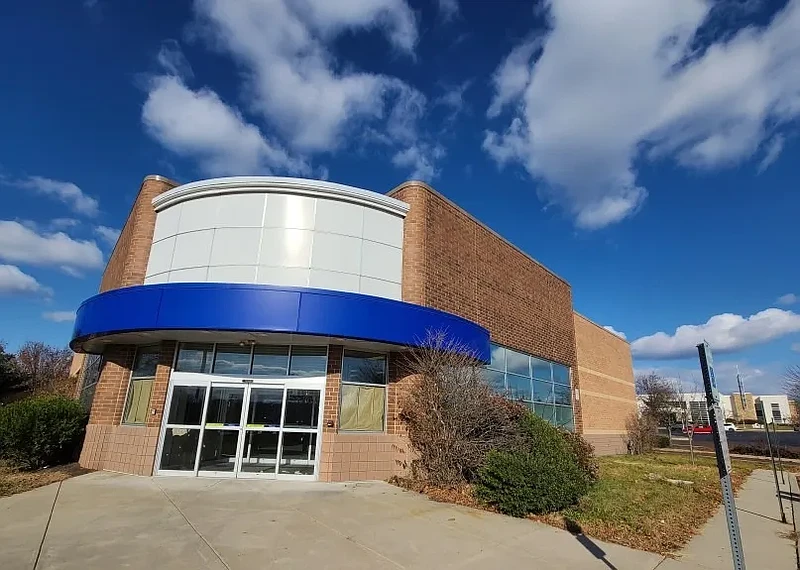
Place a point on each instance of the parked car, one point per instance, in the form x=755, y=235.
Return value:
x=697, y=429
x=758, y=426
x=730, y=426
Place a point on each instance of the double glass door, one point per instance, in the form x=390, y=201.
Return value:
x=242, y=430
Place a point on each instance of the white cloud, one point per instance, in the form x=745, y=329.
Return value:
x=612, y=330
x=757, y=379
x=788, y=299
x=20, y=244
x=63, y=223
x=66, y=192
x=453, y=98
x=109, y=235
x=725, y=333
x=199, y=124
x=292, y=78
x=59, y=316
x=170, y=57
x=773, y=150
x=14, y=282
x=448, y=9
x=421, y=160
x=622, y=81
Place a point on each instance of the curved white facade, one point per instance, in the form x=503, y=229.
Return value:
x=279, y=231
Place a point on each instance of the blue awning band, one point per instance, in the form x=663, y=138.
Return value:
x=266, y=308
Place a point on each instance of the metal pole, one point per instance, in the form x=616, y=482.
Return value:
x=778, y=450
x=717, y=420
x=774, y=471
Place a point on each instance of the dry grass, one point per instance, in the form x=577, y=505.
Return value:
x=627, y=507
x=13, y=481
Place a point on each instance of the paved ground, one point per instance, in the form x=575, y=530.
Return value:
x=105, y=521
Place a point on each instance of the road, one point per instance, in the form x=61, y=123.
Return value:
x=787, y=439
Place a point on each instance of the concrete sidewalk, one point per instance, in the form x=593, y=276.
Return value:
x=764, y=537
x=106, y=520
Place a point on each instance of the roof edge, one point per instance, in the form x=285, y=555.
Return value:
x=438, y=194
x=601, y=327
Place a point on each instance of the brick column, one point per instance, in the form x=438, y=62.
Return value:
x=161, y=384
x=333, y=380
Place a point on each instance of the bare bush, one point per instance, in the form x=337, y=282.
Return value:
x=453, y=418
x=45, y=367
x=642, y=431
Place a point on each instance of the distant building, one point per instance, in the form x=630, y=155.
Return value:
x=778, y=408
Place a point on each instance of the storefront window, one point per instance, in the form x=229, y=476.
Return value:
x=542, y=385
x=143, y=375
x=363, y=392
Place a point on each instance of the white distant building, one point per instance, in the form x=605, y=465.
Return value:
x=779, y=409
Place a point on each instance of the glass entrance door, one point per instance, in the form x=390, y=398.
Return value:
x=244, y=430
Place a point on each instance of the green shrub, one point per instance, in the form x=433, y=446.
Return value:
x=39, y=431
x=662, y=441
x=542, y=476
x=584, y=454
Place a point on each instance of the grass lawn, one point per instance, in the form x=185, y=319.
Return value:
x=629, y=508
x=13, y=481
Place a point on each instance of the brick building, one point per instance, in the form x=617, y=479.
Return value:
x=255, y=326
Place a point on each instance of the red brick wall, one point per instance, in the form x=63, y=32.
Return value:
x=453, y=263
x=128, y=262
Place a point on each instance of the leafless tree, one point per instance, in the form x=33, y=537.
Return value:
x=659, y=397
x=685, y=411
x=642, y=433
x=791, y=384
x=452, y=416
x=45, y=367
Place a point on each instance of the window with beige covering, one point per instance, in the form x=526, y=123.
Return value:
x=140, y=388
x=363, y=392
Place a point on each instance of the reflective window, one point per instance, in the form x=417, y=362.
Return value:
x=270, y=360
x=186, y=407
x=146, y=361
x=541, y=369
x=560, y=374
x=498, y=358
x=517, y=363
x=363, y=367
x=224, y=406
x=302, y=409
x=298, y=454
x=309, y=361
x=194, y=358
x=180, y=449
x=265, y=407
x=544, y=385
x=232, y=360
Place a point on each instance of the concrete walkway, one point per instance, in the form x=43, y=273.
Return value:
x=105, y=520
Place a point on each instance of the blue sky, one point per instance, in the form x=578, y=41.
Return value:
x=646, y=152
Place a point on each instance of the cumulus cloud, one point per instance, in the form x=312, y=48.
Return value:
x=758, y=379
x=59, y=316
x=199, y=124
x=108, y=235
x=421, y=160
x=788, y=299
x=305, y=100
x=21, y=244
x=622, y=81
x=612, y=330
x=293, y=79
x=725, y=333
x=66, y=192
x=14, y=282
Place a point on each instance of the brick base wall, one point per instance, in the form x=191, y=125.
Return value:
x=362, y=457
x=125, y=449
x=608, y=444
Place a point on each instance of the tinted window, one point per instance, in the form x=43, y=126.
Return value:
x=541, y=369
x=560, y=374
x=308, y=361
x=186, y=407
x=498, y=358
x=194, y=358
x=232, y=360
x=146, y=361
x=517, y=363
x=270, y=360
x=302, y=408
x=363, y=367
